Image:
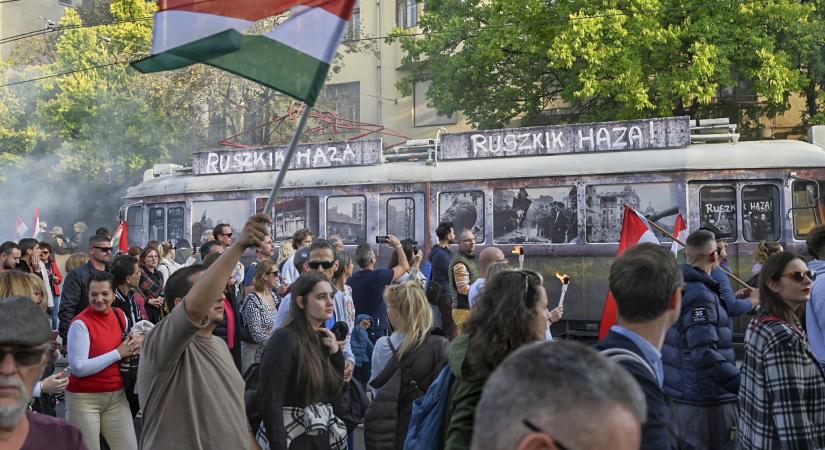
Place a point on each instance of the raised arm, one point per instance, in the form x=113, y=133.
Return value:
x=403, y=265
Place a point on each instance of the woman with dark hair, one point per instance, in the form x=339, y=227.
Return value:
x=510, y=313
x=414, y=257
x=301, y=374
x=258, y=310
x=151, y=283
x=782, y=390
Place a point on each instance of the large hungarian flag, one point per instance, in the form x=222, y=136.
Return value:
x=293, y=58
x=681, y=233
x=635, y=230
x=120, y=240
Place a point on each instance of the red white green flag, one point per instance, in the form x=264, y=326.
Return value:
x=681, y=233
x=120, y=240
x=294, y=58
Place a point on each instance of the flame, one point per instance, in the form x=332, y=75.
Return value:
x=563, y=277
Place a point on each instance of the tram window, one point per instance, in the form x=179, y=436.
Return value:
x=464, y=209
x=347, y=218
x=546, y=215
x=760, y=213
x=717, y=207
x=604, y=208
x=134, y=220
x=157, y=224
x=401, y=217
x=804, y=196
x=292, y=214
x=174, y=223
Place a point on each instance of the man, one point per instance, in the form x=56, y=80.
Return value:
x=558, y=395
x=75, y=296
x=209, y=248
x=223, y=234
x=700, y=364
x=486, y=259
x=337, y=242
x=25, y=337
x=368, y=285
x=9, y=256
x=815, y=309
x=300, y=238
x=262, y=253
x=76, y=241
x=646, y=283
x=438, y=291
x=463, y=273
x=30, y=263
x=190, y=392
x=736, y=303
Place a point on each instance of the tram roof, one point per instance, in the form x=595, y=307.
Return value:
x=725, y=156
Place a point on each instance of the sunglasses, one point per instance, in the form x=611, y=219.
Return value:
x=274, y=272
x=800, y=276
x=316, y=264
x=227, y=234
x=24, y=356
x=104, y=249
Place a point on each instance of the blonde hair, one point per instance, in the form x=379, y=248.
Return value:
x=285, y=251
x=416, y=314
x=765, y=250
x=75, y=261
x=14, y=282
x=261, y=271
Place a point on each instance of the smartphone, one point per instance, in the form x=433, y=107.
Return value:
x=381, y=239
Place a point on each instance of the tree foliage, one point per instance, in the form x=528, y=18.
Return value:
x=497, y=60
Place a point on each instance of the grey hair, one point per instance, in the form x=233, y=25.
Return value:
x=563, y=387
x=363, y=255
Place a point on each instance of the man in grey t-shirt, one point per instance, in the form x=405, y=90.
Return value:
x=190, y=392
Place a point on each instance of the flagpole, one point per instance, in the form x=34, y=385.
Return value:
x=675, y=239
x=290, y=152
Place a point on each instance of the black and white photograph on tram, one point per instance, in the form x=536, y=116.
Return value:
x=345, y=218
x=759, y=214
x=717, y=208
x=465, y=210
x=205, y=215
x=535, y=215
x=292, y=214
x=605, y=207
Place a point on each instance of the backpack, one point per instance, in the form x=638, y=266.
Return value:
x=426, y=431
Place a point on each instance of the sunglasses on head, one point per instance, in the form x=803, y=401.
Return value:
x=23, y=356
x=800, y=276
x=104, y=249
x=316, y=264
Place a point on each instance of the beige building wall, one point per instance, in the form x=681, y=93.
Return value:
x=23, y=16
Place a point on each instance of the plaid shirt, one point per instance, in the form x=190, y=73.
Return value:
x=782, y=394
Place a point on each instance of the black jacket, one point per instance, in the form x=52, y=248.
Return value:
x=75, y=296
x=658, y=431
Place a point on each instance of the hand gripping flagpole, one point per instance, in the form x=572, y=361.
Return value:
x=290, y=152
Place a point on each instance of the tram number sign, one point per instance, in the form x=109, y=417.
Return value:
x=649, y=134
x=307, y=156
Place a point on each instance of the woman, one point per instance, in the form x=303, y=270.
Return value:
x=285, y=250
x=782, y=390
x=510, y=313
x=55, y=277
x=414, y=258
x=403, y=365
x=95, y=400
x=168, y=265
x=764, y=250
x=258, y=310
x=126, y=273
x=339, y=281
x=301, y=374
x=75, y=261
x=151, y=283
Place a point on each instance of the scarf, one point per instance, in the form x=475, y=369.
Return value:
x=312, y=421
x=148, y=284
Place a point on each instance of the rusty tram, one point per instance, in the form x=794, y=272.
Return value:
x=558, y=192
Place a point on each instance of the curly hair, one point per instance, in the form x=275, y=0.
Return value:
x=502, y=319
x=765, y=249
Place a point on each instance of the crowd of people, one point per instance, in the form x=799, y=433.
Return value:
x=298, y=349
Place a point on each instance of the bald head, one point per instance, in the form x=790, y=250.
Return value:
x=467, y=242
x=488, y=257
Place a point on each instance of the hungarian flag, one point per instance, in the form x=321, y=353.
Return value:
x=681, y=233
x=293, y=58
x=36, y=222
x=635, y=230
x=121, y=238
x=20, y=228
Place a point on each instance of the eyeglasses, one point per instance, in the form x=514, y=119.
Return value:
x=24, y=356
x=316, y=264
x=800, y=276
x=104, y=249
x=536, y=429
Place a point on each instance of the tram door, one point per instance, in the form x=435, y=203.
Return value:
x=402, y=215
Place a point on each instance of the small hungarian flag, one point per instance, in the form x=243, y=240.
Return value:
x=36, y=222
x=20, y=228
x=681, y=233
x=635, y=230
x=121, y=238
x=293, y=58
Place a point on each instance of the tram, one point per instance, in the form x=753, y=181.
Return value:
x=558, y=192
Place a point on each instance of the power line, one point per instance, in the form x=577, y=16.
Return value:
x=52, y=29
x=69, y=72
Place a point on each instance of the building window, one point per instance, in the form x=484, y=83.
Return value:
x=407, y=12
x=401, y=217
x=760, y=213
x=604, y=207
x=542, y=215
x=717, y=207
x=354, y=25
x=465, y=210
x=157, y=224
x=346, y=217
x=344, y=99
x=423, y=115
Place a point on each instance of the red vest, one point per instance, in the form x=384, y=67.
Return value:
x=105, y=335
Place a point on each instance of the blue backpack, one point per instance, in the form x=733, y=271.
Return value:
x=428, y=414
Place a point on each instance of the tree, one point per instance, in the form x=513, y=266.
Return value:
x=498, y=60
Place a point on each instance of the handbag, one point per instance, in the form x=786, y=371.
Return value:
x=129, y=364
x=351, y=406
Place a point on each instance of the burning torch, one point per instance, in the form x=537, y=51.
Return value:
x=519, y=250
x=565, y=282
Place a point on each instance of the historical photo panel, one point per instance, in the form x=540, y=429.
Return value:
x=346, y=218
x=464, y=209
x=535, y=215
x=205, y=215
x=292, y=214
x=605, y=208
x=760, y=216
x=717, y=208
